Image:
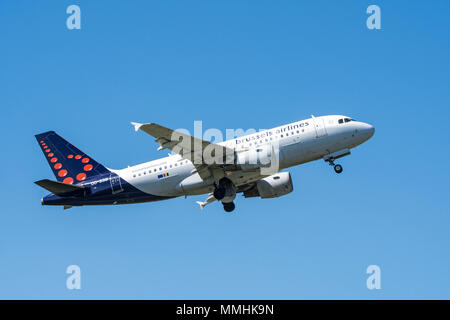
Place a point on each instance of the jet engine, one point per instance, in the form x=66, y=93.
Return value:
x=273, y=186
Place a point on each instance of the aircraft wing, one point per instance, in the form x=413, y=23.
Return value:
x=202, y=153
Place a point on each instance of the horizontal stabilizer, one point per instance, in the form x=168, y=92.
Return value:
x=59, y=188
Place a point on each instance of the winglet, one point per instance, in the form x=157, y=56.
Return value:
x=136, y=125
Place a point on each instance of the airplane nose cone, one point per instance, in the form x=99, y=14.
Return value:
x=367, y=131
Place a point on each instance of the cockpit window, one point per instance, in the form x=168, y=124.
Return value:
x=340, y=121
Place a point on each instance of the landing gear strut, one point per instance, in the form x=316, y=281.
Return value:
x=224, y=189
x=228, y=206
x=219, y=193
x=225, y=192
x=337, y=167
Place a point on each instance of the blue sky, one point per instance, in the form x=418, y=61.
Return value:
x=231, y=64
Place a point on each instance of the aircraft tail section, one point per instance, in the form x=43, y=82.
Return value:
x=68, y=163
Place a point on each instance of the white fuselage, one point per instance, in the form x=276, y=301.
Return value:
x=297, y=142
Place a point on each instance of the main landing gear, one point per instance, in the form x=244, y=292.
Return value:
x=219, y=192
x=225, y=192
x=337, y=167
x=228, y=206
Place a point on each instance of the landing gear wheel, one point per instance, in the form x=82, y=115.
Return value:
x=219, y=193
x=229, y=206
x=338, y=168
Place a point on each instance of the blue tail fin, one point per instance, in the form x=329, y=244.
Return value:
x=68, y=163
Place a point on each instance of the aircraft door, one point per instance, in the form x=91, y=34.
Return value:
x=319, y=127
x=116, y=185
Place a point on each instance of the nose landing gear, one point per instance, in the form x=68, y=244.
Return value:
x=337, y=167
x=336, y=155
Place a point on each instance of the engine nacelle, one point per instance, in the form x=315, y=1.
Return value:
x=273, y=186
x=255, y=158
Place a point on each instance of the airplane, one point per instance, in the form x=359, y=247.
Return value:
x=252, y=164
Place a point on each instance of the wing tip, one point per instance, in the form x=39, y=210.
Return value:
x=136, y=125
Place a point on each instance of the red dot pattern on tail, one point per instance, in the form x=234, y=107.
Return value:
x=68, y=180
x=81, y=176
x=62, y=173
